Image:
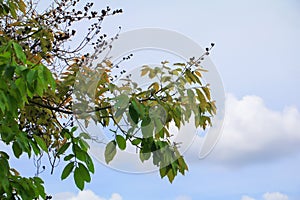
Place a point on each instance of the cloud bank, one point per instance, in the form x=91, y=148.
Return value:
x=269, y=196
x=83, y=195
x=254, y=133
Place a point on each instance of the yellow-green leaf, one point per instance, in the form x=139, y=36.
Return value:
x=41, y=143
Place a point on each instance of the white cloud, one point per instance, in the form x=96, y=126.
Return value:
x=252, y=132
x=63, y=196
x=247, y=198
x=275, y=196
x=83, y=195
x=269, y=196
x=115, y=196
x=183, y=198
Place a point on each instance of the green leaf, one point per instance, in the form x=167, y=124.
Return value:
x=12, y=8
x=84, y=145
x=89, y=163
x=171, y=175
x=35, y=147
x=40, y=190
x=206, y=91
x=146, y=121
x=191, y=95
x=41, y=143
x=74, y=129
x=17, y=149
x=121, y=142
x=78, y=178
x=9, y=72
x=84, y=172
x=144, y=155
x=85, y=135
x=163, y=171
x=69, y=157
x=138, y=107
x=67, y=170
x=63, y=148
x=31, y=76
x=122, y=101
x=134, y=115
x=22, y=89
x=4, y=155
x=182, y=165
x=19, y=52
x=119, y=112
x=4, y=167
x=136, y=141
x=48, y=76
x=110, y=151
x=79, y=153
x=147, y=127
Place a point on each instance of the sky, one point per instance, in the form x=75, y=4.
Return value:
x=256, y=54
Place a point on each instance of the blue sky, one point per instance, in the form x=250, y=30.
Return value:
x=256, y=54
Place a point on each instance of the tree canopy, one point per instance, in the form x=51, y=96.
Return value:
x=39, y=74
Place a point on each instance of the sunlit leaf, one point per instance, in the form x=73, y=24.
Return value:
x=78, y=178
x=67, y=170
x=121, y=142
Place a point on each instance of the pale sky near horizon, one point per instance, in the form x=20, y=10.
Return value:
x=257, y=56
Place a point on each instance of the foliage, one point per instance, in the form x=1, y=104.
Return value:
x=37, y=113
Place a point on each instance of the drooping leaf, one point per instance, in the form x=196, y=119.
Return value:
x=110, y=151
x=144, y=155
x=147, y=127
x=41, y=143
x=89, y=163
x=133, y=114
x=84, y=172
x=16, y=149
x=19, y=52
x=206, y=91
x=163, y=171
x=84, y=145
x=78, y=178
x=79, y=153
x=63, y=148
x=171, y=175
x=67, y=170
x=31, y=77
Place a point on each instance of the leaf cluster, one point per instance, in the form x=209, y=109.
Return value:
x=41, y=74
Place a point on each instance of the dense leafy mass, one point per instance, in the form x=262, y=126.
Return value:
x=38, y=71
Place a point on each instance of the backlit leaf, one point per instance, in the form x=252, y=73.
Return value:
x=19, y=52
x=110, y=151
x=41, y=143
